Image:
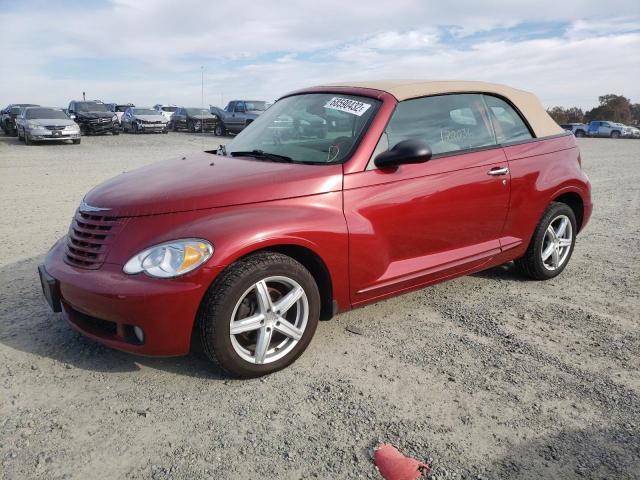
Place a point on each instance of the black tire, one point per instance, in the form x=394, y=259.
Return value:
x=615, y=134
x=115, y=132
x=19, y=136
x=76, y=141
x=579, y=133
x=27, y=140
x=531, y=264
x=219, y=131
x=217, y=307
x=191, y=127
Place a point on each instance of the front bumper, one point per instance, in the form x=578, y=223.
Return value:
x=95, y=128
x=41, y=135
x=152, y=127
x=106, y=304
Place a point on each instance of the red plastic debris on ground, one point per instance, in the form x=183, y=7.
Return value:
x=395, y=466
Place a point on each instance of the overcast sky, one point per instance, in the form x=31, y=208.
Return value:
x=152, y=51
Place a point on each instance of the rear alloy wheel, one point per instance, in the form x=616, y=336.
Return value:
x=580, y=133
x=615, y=134
x=552, y=243
x=260, y=315
x=219, y=130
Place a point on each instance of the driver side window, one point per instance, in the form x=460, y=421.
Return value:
x=447, y=123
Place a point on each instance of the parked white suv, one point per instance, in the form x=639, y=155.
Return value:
x=165, y=110
x=578, y=129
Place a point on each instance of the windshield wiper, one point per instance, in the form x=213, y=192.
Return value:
x=274, y=157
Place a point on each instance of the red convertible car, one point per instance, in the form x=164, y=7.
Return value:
x=415, y=182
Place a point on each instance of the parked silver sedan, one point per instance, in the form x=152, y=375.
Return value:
x=143, y=120
x=40, y=124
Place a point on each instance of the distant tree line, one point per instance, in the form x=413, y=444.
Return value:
x=615, y=108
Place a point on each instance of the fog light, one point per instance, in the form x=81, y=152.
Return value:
x=139, y=334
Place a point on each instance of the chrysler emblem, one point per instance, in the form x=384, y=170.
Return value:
x=85, y=207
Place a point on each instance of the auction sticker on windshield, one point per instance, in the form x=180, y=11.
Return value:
x=348, y=105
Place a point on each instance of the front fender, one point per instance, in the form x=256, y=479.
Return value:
x=313, y=222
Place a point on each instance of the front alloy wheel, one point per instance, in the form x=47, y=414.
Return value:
x=259, y=315
x=269, y=320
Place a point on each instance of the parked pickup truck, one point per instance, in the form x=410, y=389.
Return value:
x=237, y=115
x=600, y=128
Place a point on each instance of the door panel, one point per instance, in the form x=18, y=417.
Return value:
x=423, y=222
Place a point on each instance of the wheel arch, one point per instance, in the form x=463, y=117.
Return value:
x=311, y=260
x=574, y=201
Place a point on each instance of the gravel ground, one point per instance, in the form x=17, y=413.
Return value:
x=486, y=376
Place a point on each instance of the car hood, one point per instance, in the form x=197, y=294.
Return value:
x=53, y=121
x=204, y=180
x=150, y=118
x=95, y=115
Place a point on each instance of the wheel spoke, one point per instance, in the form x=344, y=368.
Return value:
x=247, y=324
x=547, y=252
x=562, y=227
x=564, y=242
x=287, y=328
x=288, y=301
x=264, y=299
x=555, y=257
x=262, y=345
x=551, y=232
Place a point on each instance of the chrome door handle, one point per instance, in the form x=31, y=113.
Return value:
x=494, y=172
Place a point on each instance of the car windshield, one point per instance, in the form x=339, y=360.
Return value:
x=253, y=105
x=169, y=109
x=144, y=111
x=47, y=113
x=197, y=111
x=91, y=107
x=309, y=128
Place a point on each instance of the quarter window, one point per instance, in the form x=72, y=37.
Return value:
x=448, y=123
x=508, y=125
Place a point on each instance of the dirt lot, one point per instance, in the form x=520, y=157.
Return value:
x=487, y=376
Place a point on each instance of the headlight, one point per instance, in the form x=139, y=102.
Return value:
x=170, y=259
x=71, y=127
x=114, y=118
x=34, y=125
x=215, y=117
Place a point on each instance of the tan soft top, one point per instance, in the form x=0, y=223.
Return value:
x=528, y=104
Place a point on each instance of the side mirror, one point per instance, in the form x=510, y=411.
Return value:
x=406, y=151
